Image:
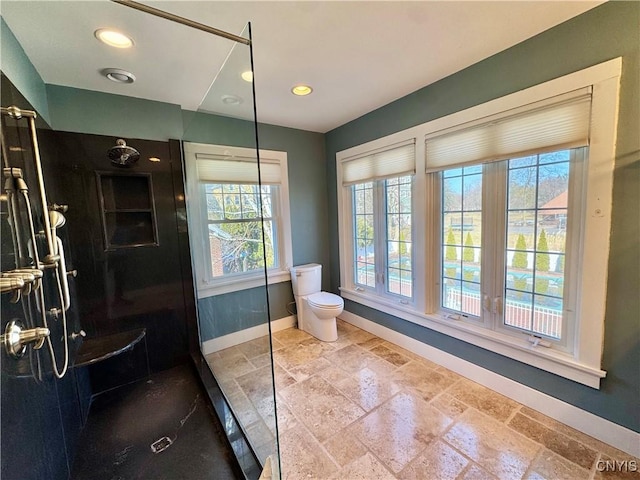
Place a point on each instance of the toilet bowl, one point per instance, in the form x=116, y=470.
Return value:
x=317, y=310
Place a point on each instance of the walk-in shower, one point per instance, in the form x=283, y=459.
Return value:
x=118, y=211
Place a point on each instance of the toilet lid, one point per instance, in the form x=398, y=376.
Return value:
x=325, y=300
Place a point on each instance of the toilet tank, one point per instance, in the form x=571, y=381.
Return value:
x=306, y=279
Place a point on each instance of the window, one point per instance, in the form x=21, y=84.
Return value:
x=399, y=271
x=502, y=238
x=504, y=255
x=380, y=185
x=235, y=227
x=514, y=156
x=461, y=244
x=535, y=243
x=364, y=235
x=234, y=217
x=382, y=210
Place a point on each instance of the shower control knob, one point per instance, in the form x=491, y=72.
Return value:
x=11, y=284
x=59, y=208
x=81, y=333
x=73, y=273
x=15, y=338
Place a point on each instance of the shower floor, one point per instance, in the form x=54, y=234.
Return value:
x=364, y=408
x=123, y=423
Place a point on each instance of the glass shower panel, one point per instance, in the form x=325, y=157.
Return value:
x=234, y=236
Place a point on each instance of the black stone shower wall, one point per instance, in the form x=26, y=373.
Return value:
x=41, y=420
x=132, y=287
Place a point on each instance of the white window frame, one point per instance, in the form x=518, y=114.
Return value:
x=583, y=365
x=206, y=286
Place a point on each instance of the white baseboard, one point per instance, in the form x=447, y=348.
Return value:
x=604, y=430
x=232, y=339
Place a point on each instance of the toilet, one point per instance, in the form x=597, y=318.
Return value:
x=317, y=310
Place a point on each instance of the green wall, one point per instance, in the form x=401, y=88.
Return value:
x=232, y=312
x=18, y=68
x=86, y=111
x=608, y=31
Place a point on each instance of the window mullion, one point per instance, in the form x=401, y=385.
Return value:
x=433, y=236
x=203, y=220
x=380, y=236
x=494, y=254
x=276, y=215
x=349, y=221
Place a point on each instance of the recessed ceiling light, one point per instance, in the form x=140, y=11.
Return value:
x=154, y=159
x=301, y=90
x=118, y=75
x=113, y=38
x=247, y=76
x=231, y=100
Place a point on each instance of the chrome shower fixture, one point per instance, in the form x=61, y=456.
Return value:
x=24, y=283
x=21, y=281
x=122, y=155
x=16, y=338
x=57, y=219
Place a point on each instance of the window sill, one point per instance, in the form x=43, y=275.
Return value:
x=553, y=361
x=239, y=283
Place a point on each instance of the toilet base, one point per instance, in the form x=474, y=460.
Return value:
x=324, y=329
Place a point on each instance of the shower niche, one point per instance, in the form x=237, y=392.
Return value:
x=128, y=211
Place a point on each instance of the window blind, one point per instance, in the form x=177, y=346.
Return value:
x=552, y=124
x=391, y=161
x=242, y=170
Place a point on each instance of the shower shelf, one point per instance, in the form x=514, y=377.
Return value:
x=96, y=349
x=127, y=208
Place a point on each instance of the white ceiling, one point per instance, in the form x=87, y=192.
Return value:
x=357, y=56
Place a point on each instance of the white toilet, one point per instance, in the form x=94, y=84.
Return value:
x=317, y=310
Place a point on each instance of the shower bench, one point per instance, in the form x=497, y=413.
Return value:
x=96, y=349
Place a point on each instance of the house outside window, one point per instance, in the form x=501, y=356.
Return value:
x=233, y=218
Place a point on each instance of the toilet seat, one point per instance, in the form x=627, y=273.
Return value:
x=325, y=300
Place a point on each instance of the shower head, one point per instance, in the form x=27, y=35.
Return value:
x=56, y=220
x=121, y=155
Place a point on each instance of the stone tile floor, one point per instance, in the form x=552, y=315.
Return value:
x=364, y=408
